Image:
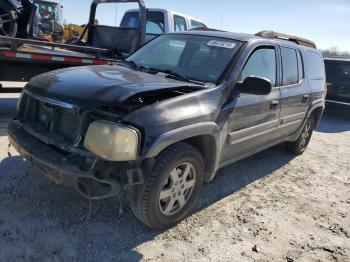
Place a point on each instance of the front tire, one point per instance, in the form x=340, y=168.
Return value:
x=172, y=188
x=299, y=146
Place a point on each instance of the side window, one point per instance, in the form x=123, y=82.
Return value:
x=195, y=24
x=290, y=66
x=315, y=66
x=300, y=66
x=179, y=23
x=261, y=63
x=130, y=20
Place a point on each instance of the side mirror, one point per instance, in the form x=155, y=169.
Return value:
x=254, y=85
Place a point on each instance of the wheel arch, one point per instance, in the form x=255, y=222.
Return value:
x=317, y=113
x=205, y=137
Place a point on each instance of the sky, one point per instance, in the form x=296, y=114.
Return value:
x=327, y=22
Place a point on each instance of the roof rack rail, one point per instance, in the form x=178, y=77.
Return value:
x=295, y=39
x=203, y=28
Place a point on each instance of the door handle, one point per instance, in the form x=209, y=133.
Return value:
x=274, y=104
x=305, y=98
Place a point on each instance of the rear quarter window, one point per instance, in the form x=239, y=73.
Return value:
x=195, y=24
x=315, y=66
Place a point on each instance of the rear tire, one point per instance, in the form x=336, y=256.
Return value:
x=8, y=23
x=299, y=146
x=171, y=189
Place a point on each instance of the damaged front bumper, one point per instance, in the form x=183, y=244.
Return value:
x=54, y=165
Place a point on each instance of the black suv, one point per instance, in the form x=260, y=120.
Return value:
x=156, y=126
x=338, y=82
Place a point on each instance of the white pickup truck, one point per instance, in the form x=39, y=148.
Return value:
x=160, y=21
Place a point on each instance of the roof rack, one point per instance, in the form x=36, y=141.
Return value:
x=292, y=38
x=203, y=28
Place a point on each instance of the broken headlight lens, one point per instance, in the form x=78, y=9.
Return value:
x=111, y=141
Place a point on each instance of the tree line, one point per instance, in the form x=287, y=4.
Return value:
x=334, y=52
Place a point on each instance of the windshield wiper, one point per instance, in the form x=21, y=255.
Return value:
x=168, y=73
x=177, y=76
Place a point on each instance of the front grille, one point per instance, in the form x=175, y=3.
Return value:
x=49, y=119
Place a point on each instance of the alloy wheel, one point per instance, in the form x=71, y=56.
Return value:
x=177, y=189
x=306, y=134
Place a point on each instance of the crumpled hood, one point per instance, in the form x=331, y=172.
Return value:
x=93, y=86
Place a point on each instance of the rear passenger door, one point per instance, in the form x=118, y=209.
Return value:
x=295, y=91
x=254, y=118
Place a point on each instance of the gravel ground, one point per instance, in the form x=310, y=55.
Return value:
x=269, y=207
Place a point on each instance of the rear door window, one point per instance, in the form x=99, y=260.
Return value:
x=179, y=23
x=290, y=66
x=262, y=63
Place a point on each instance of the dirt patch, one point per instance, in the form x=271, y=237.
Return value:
x=269, y=207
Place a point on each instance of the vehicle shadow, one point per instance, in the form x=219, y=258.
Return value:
x=96, y=230
x=334, y=122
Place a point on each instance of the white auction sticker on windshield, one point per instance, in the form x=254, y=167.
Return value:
x=222, y=44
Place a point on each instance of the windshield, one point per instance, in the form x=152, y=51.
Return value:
x=200, y=58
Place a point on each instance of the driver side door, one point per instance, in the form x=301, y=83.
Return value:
x=254, y=118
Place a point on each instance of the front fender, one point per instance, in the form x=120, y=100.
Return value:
x=183, y=133
x=209, y=131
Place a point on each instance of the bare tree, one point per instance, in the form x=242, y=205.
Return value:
x=334, y=52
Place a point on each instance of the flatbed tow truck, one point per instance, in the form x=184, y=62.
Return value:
x=22, y=59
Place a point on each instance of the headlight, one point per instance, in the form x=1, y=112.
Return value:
x=111, y=141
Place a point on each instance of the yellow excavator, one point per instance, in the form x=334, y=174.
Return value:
x=72, y=33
